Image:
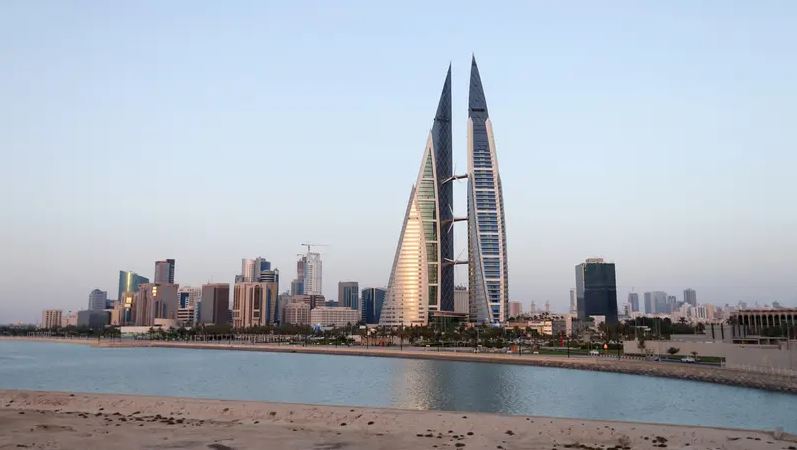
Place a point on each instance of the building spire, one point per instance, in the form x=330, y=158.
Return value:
x=477, y=105
x=444, y=105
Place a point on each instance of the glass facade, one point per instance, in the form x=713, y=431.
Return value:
x=596, y=290
x=422, y=277
x=487, y=262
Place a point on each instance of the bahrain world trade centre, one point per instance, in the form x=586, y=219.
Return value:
x=421, y=280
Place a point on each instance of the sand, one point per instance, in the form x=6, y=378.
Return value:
x=57, y=420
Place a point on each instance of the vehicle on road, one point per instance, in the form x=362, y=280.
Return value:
x=687, y=359
x=594, y=353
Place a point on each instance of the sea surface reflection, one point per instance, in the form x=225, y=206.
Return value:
x=389, y=382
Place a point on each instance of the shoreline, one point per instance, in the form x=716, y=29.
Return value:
x=709, y=374
x=77, y=420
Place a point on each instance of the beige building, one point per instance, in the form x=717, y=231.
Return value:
x=51, y=318
x=461, y=300
x=296, y=313
x=334, y=316
x=154, y=301
x=515, y=309
x=254, y=304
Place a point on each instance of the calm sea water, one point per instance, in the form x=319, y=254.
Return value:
x=389, y=382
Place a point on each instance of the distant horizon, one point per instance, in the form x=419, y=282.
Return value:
x=654, y=136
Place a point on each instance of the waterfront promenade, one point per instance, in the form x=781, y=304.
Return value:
x=62, y=420
x=712, y=374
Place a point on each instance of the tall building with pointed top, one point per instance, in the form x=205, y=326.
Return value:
x=422, y=277
x=487, y=262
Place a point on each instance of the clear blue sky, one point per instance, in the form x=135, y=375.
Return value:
x=659, y=135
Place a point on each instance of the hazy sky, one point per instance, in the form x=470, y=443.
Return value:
x=659, y=135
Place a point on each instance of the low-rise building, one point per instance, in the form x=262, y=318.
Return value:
x=296, y=313
x=334, y=316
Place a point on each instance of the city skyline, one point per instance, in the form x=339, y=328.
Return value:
x=673, y=148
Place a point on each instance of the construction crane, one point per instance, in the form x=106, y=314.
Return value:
x=313, y=245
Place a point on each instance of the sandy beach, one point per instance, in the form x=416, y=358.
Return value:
x=58, y=420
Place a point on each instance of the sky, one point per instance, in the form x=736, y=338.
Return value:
x=658, y=135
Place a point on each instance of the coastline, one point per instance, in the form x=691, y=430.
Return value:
x=710, y=374
x=75, y=420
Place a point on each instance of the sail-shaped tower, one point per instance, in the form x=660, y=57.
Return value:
x=487, y=263
x=422, y=277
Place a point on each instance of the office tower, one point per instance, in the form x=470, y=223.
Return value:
x=373, y=299
x=573, y=302
x=515, y=309
x=596, y=290
x=312, y=282
x=672, y=304
x=164, y=271
x=461, y=300
x=297, y=285
x=253, y=270
x=655, y=302
x=188, y=299
x=690, y=297
x=129, y=282
x=254, y=304
x=633, y=300
x=349, y=294
x=487, y=261
x=97, y=299
x=422, y=277
x=155, y=301
x=51, y=318
x=215, y=305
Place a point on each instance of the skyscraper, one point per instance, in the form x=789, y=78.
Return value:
x=596, y=290
x=97, y=299
x=573, y=302
x=164, y=271
x=312, y=282
x=373, y=299
x=690, y=297
x=349, y=294
x=422, y=276
x=155, y=301
x=487, y=262
x=215, y=305
x=129, y=282
x=515, y=309
x=655, y=302
x=253, y=270
x=254, y=304
x=633, y=300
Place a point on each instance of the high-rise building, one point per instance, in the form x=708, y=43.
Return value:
x=373, y=299
x=312, y=282
x=129, y=282
x=51, y=318
x=690, y=297
x=188, y=299
x=94, y=319
x=155, y=301
x=164, y=271
x=422, y=276
x=215, y=305
x=349, y=294
x=487, y=261
x=672, y=304
x=656, y=302
x=515, y=309
x=254, y=304
x=254, y=270
x=573, y=302
x=633, y=300
x=596, y=290
x=97, y=300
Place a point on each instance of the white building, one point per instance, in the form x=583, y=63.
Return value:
x=333, y=316
x=296, y=313
x=52, y=318
x=312, y=274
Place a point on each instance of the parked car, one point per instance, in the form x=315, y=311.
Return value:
x=594, y=353
x=687, y=359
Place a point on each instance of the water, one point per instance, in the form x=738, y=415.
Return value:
x=390, y=382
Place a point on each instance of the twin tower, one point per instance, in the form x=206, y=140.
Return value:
x=422, y=279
